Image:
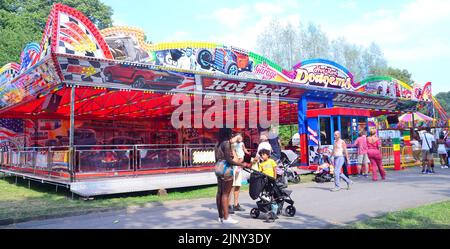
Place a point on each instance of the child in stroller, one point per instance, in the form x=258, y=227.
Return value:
x=263, y=186
x=325, y=171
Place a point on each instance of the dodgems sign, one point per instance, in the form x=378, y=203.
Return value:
x=322, y=73
x=357, y=101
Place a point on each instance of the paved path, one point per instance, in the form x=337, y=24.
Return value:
x=317, y=207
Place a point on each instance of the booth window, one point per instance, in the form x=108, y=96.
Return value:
x=362, y=125
x=346, y=128
x=335, y=124
x=325, y=131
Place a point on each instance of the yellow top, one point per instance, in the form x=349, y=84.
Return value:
x=268, y=167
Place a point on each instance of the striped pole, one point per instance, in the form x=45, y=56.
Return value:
x=397, y=159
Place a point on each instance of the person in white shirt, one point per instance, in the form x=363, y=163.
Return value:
x=428, y=142
x=416, y=148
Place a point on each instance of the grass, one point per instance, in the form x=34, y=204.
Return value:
x=433, y=216
x=18, y=202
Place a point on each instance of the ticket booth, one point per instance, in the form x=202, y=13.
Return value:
x=322, y=123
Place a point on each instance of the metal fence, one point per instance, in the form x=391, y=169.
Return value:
x=107, y=158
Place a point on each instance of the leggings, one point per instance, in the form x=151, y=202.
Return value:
x=224, y=186
x=377, y=164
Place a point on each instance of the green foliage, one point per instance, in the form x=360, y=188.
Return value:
x=286, y=133
x=400, y=74
x=444, y=100
x=23, y=21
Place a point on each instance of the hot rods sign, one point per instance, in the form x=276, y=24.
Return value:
x=249, y=88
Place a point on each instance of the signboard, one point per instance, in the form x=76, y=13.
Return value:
x=250, y=88
x=322, y=73
x=357, y=101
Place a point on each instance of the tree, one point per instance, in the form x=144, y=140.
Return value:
x=289, y=44
x=23, y=21
x=444, y=100
x=400, y=74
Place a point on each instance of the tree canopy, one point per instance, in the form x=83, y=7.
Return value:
x=23, y=21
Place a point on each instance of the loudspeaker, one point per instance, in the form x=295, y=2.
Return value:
x=51, y=103
x=392, y=119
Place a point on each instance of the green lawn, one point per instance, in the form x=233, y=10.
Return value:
x=19, y=202
x=433, y=216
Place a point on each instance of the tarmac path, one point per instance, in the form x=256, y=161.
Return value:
x=317, y=207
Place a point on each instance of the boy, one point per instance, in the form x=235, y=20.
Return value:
x=268, y=167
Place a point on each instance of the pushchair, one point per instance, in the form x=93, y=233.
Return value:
x=269, y=194
x=324, y=175
x=285, y=172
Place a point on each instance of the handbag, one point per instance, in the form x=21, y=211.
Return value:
x=222, y=169
x=432, y=147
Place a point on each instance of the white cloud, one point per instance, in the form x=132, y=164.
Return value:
x=264, y=8
x=232, y=17
x=349, y=5
x=414, y=33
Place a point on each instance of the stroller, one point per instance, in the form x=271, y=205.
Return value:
x=285, y=172
x=269, y=193
x=324, y=175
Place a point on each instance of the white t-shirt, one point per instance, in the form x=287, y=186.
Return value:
x=427, y=137
x=415, y=145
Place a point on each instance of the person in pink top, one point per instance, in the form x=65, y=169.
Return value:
x=363, y=158
x=374, y=152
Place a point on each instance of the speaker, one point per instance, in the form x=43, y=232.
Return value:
x=51, y=103
x=392, y=119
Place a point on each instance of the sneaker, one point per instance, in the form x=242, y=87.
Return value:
x=349, y=184
x=424, y=172
x=445, y=167
x=238, y=208
x=366, y=175
x=431, y=172
x=230, y=221
x=335, y=189
x=220, y=220
x=230, y=210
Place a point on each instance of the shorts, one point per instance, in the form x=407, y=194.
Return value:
x=363, y=159
x=237, y=177
x=426, y=155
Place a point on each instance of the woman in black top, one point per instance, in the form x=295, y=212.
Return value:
x=225, y=183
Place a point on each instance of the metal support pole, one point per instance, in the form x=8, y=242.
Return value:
x=71, y=134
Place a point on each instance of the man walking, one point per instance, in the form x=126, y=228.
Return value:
x=339, y=150
x=363, y=158
x=428, y=143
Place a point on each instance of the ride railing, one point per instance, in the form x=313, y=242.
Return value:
x=138, y=158
x=387, y=155
x=49, y=161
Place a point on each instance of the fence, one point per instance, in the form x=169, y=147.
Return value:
x=53, y=161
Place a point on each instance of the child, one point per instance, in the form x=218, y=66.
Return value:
x=325, y=167
x=269, y=167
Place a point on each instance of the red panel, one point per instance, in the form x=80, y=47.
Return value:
x=338, y=111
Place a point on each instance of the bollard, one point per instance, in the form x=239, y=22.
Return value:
x=397, y=156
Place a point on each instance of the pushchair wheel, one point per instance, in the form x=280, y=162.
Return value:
x=254, y=213
x=296, y=179
x=290, y=211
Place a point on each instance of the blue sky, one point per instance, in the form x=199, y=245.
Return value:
x=413, y=34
